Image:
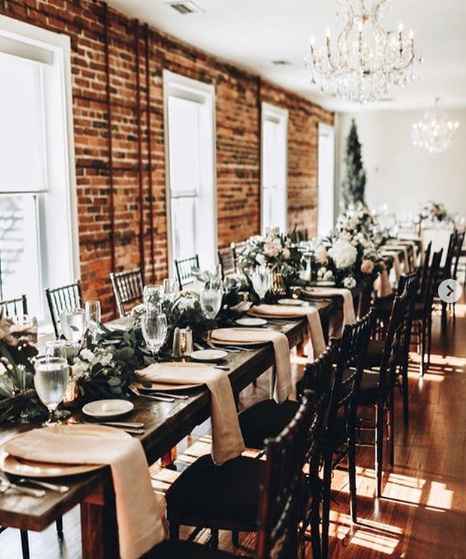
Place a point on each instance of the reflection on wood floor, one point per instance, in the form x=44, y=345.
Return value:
x=422, y=514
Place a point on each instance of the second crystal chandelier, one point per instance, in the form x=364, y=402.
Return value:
x=364, y=61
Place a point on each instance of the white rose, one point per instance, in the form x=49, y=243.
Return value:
x=349, y=282
x=79, y=369
x=87, y=355
x=3, y=369
x=328, y=276
x=321, y=272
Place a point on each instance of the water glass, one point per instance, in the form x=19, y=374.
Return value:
x=211, y=297
x=170, y=289
x=154, y=329
x=50, y=381
x=74, y=325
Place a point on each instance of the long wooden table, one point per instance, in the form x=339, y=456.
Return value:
x=166, y=424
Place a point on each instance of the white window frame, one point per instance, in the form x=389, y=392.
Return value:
x=176, y=85
x=28, y=41
x=279, y=115
x=329, y=131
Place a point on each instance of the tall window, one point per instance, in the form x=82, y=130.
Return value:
x=190, y=144
x=37, y=220
x=326, y=179
x=274, y=209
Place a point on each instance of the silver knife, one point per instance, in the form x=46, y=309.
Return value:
x=45, y=485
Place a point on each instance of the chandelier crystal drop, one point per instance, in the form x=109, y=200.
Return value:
x=435, y=132
x=365, y=60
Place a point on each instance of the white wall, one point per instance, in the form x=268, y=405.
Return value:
x=399, y=174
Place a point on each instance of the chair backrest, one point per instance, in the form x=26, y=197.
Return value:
x=60, y=299
x=281, y=496
x=128, y=289
x=425, y=268
x=410, y=284
x=185, y=270
x=226, y=259
x=431, y=282
x=450, y=253
x=457, y=253
x=14, y=307
x=237, y=249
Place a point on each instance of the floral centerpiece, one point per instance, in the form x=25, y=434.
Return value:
x=433, y=211
x=274, y=250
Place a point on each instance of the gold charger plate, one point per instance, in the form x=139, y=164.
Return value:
x=25, y=468
x=29, y=468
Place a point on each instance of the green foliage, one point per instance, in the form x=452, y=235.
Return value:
x=354, y=185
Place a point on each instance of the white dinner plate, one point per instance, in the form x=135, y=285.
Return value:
x=107, y=408
x=291, y=302
x=209, y=355
x=250, y=321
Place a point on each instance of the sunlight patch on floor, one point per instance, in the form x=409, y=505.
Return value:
x=439, y=496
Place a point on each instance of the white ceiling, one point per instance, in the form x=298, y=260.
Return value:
x=252, y=33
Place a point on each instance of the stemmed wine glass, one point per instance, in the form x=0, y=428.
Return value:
x=151, y=295
x=93, y=316
x=50, y=381
x=170, y=289
x=74, y=324
x=261, y=281
x=154, y=329
x=62, y=348
x=211, y=296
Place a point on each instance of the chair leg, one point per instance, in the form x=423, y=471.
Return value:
x=379, y=432
x=327, y=492
x=235, y=538
x=213, y=542
x=405, y=391
x=59, y=525
x=429, y=341
x=352, y=475
x=423, y=351
x=391, y=420
x=25, y=544
x=315, y=525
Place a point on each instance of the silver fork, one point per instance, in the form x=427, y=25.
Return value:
x=5, y=485
x=44, y=485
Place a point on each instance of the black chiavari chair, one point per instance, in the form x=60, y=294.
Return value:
x=237, y=249
x=128, y=288
x=455, y=263
x=185, y=269
x=14, y=307
x=60, y=299
x=226, y=259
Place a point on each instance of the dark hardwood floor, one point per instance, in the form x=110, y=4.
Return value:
x=422, y=514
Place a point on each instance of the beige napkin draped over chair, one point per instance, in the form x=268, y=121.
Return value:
x=139, y=510
x=227, y=440
x=338, y=321
x=283, y=380
x=404, y=249
x=382, y=285
x=315, y=331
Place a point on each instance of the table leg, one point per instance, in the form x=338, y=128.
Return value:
x=99, y=528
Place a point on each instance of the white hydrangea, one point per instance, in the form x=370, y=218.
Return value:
x=349, y=282
x=343, y=253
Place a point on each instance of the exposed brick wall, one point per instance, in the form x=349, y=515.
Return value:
x=238, y=97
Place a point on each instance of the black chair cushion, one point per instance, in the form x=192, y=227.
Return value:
x=265, y=419
x=174, y=549
x=375, y=351
x=216, y=496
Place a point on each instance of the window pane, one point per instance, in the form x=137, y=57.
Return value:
x=19, y=250
x=184, y=227
x=184, y=135
x=22, y=155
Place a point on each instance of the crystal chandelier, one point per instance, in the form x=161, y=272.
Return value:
x=364, y=61
x=434, y=132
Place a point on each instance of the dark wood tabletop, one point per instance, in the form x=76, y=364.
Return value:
x=166, y=424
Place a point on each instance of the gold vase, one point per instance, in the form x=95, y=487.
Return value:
x=278, y=288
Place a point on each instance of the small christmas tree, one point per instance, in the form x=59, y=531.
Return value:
x=355, y=183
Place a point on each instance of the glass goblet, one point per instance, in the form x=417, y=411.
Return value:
x=261, y=281
x=50, y=381
x=154, y=329
x=62, y=348
x=151, y=295
x=74, y=325
x=211, y=296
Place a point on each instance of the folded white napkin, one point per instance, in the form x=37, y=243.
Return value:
x=315, y=332
x=139, y=510
x=227, y=440
x=283, y=381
